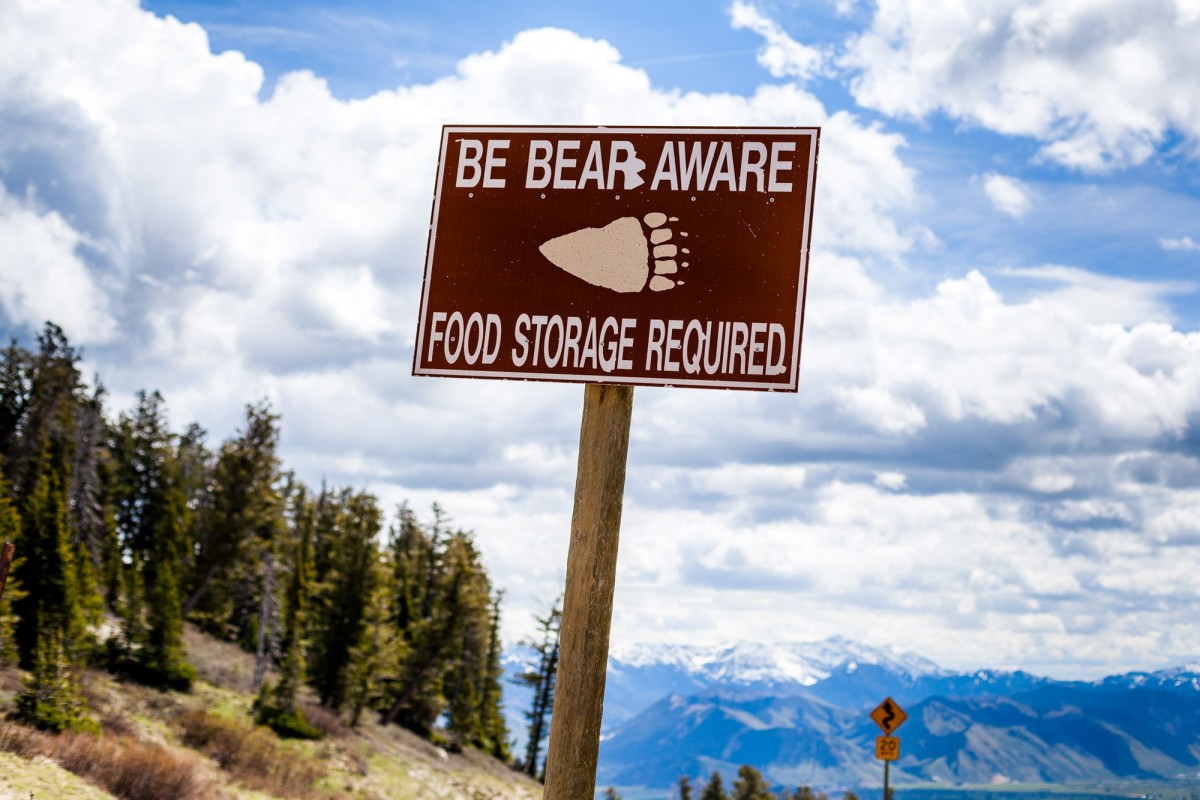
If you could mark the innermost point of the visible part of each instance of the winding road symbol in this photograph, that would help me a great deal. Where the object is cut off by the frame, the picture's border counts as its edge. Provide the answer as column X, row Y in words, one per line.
column 888, row 715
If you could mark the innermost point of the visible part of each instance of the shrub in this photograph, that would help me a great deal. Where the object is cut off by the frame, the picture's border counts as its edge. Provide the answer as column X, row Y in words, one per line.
column 130, row 769
column 125, row 768
column 250, row 754
column 288, row 721
column 289, row 724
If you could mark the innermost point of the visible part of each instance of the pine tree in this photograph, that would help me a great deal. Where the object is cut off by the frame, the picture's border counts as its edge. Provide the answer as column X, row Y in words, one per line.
column 378, row 654
column 685, row 787
column 47, row 568
column 163, row 656
column 469, row 678
column 351, row 577
column 131, row 611
column 295, row 620
column 195, row 465
column 243, row 516
column 714, row 789
column 151, row 515
column 10, row 528
column 444, row 596
column 750, row 785
column 407, row 545
column 427, row 594
column 493, row 737
column 541, row 678
column 52, row 700
column 276, row 706
column 40, row 400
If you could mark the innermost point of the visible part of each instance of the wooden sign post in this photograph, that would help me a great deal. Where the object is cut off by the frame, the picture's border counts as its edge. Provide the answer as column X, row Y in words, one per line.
column 614, row 257
column 587, row 605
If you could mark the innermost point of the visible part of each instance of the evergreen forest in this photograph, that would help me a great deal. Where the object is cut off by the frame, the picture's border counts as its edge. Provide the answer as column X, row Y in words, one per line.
column 126, row 526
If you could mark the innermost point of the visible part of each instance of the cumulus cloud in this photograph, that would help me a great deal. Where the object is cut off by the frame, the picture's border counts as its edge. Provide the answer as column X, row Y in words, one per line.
column 780, row 55
column 221, row 245
column 962, row 562
column 1007, row 194
column 964, row 353
column 42, row 274
column 1100, row 83
column 1184, row 243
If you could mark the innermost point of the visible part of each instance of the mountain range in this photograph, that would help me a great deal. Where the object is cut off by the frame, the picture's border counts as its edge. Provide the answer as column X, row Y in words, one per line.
column 798, row 712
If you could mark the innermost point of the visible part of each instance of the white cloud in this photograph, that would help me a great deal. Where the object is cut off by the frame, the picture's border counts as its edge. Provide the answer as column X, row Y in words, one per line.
column 1185, row 243
column 43, row 277
column 780, row 55
column 1033, row 68
column 233, row 247
column 974, row 566
column 1095, row 298
column 894, row 481
column 1007, row 194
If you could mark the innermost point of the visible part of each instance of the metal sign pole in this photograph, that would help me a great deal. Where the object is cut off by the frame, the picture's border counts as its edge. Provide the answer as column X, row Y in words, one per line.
column 587, row 605
column 886, row 764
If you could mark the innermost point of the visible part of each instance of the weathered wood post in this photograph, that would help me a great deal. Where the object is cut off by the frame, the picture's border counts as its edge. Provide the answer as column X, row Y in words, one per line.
column 587, row 605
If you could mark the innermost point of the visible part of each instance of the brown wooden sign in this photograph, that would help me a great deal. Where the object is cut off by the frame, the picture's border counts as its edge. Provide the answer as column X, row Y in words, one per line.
column 660, row 256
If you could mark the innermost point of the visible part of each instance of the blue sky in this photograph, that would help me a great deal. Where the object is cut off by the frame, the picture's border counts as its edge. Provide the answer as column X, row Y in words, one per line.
column 994, row 456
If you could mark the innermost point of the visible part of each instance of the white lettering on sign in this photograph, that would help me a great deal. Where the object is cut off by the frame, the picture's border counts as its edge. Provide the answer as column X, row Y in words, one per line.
column 614, row 165
column 707, row 167
column 470, row 153
column 691, row 347
column 599, row 169
column 572, row 343
column 475, row 339
column 731, row 347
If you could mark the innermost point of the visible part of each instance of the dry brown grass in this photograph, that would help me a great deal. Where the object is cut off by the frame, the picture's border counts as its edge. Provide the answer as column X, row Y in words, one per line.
column 250, row 754
column 126, row 768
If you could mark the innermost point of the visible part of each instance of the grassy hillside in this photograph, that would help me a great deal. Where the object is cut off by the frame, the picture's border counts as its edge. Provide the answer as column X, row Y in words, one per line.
column 201, row 746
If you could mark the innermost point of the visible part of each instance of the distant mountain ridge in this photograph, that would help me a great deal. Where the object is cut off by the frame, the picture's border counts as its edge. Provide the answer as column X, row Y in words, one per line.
column 797, row 711
column 642, row 674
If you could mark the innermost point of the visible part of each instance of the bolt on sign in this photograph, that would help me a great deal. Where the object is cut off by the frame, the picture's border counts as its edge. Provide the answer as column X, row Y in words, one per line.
column 660, row 256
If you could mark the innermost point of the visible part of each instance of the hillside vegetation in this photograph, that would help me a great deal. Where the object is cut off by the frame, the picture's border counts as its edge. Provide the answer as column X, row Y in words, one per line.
column 201, row 745
column 346, row 646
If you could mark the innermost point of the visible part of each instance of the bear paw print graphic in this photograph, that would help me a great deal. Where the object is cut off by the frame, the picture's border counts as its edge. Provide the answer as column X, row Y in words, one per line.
column 620, row 255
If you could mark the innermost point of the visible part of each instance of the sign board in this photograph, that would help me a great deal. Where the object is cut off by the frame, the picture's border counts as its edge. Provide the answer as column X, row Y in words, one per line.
column 652, row 256
column 888, row 715
column 887, row 748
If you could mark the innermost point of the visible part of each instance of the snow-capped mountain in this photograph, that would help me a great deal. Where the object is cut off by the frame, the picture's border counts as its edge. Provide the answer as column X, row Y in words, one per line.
column 754, row 663
column 1178, row 679
column 640, row 675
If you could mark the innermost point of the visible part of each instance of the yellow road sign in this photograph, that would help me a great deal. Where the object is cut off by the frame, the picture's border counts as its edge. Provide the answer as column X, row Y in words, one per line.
column 887, row 748
column 888, row 715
